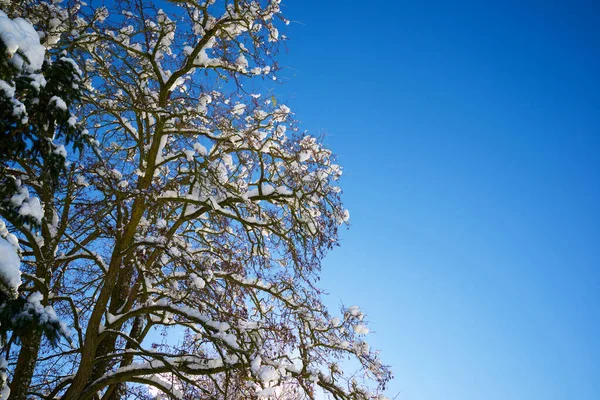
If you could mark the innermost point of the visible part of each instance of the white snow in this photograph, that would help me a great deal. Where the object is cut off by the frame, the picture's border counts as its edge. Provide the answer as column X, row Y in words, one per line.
column 164, row 384
column 266, row 190
column 238, row 109
column 267, row 374
column 197, row 281
column 8, row 89
column 33, row 208
column 80, row 181
column 228, row 338
column 12, row 240
column 303, row 156
column 58, row 102
column 360, row 329
column 346, row 215
column 361, row 347
column 242, row 62
column 18, row 34
column 44, row 314
column 116, row 173
column 161, row 146
column 28, row 206
column 200, row 149
column 9, row 265
column 73, row 64
column 18, row 107
column 355, row 312
column 4, row 389
column 60, row 150
column 189, row 154
column 268, row 392
column 255, row 364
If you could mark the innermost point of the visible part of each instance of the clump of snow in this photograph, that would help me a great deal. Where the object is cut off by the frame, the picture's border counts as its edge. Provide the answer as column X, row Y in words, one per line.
column 265, row 393
column 346, row 215
column 46, row 315
column 28, row 206
column 7, row 89
column 73, row 64
column 189, row 154
column 238, row 109
column 32, row 208
column 355, row 312
column 197, row 281
column 255, row 364
column 18, row 34
column 162, row 382
column 361, row 347
column 360, row 329
column 200, row 149
column 267, row 374
column 4, row 389
column 116, row 173
column 80, row 181
column 9, row 266
column 58, row 102
column 18, row 107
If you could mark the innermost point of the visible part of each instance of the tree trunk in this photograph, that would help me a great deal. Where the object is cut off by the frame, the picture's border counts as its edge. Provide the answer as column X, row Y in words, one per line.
column 90, row 349
column 117, row 391
column 30, row 346
column 118, row 298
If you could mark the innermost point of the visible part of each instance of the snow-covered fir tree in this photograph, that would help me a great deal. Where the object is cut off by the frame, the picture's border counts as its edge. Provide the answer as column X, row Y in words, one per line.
column 36, row 94
column 181, row 246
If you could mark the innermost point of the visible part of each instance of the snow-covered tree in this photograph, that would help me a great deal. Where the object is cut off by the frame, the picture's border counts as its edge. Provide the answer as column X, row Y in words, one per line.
column 36, row 92
column 199, row 212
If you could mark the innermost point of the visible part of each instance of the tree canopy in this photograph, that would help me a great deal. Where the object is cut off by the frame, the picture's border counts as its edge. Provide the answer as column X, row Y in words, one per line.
column 170, row 223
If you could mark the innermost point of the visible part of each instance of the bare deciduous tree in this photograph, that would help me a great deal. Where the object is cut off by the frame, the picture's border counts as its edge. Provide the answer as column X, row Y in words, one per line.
column 198, row 212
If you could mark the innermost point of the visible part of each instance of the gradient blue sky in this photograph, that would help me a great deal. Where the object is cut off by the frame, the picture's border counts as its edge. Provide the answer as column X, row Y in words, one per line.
column 470, row 137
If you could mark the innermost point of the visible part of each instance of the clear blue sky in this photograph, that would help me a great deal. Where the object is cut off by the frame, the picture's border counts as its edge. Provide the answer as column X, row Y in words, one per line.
column 470, row 137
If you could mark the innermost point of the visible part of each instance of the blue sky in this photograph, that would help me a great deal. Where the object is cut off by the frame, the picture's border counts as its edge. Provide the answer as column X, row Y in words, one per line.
column 470, row 137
